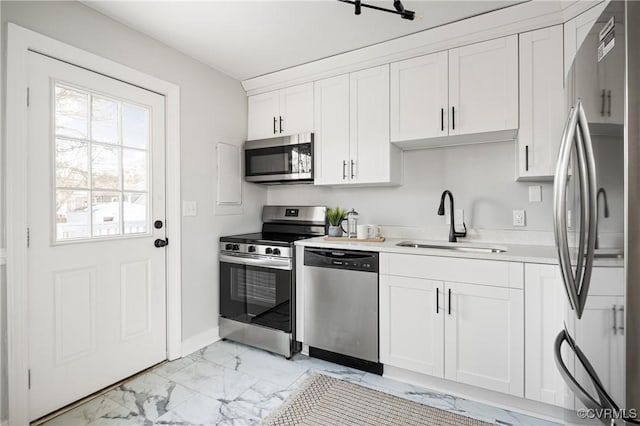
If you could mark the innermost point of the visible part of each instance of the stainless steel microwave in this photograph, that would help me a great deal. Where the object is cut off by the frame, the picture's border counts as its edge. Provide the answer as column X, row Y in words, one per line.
column 287, row 159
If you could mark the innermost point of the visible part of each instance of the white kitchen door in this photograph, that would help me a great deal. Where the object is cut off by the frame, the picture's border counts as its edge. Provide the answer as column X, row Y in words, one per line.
column 96, row 171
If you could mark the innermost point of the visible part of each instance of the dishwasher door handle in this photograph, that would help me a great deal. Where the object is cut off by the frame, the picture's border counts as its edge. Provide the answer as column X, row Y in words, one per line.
column 334, row 254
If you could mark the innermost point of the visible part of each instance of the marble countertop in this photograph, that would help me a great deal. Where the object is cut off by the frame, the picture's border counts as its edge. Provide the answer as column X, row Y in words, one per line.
column 513, row 252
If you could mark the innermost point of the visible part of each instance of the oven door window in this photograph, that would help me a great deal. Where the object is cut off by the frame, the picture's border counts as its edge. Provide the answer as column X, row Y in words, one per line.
column 256, row 295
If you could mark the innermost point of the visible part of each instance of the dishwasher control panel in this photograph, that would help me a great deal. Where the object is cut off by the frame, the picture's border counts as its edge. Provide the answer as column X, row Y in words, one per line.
column 353, row 260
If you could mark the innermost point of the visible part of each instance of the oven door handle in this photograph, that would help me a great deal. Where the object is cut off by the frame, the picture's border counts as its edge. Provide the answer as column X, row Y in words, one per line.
column 258, row 261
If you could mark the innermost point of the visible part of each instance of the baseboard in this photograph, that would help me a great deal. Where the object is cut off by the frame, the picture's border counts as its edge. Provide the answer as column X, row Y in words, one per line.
column 199, row 341
column 497, row 399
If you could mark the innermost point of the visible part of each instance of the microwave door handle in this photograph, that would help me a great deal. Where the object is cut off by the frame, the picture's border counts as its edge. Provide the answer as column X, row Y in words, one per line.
column 560, row 208
column 589, row 205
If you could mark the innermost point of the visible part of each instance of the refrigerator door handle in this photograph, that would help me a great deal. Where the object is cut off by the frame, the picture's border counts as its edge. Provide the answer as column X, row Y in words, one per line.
column 589, row 206
column 576, row 133
column 560, row 210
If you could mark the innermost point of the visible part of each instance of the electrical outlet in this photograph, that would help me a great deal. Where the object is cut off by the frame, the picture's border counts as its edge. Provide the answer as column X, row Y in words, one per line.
column 458, row 217
column 518, row 218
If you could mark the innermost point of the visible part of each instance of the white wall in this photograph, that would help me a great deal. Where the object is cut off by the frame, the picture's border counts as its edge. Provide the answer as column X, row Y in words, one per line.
column 481, row 178
column 213, row 109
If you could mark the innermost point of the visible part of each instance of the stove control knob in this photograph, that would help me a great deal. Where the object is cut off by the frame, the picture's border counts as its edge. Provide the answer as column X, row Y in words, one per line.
column 268, row 250
column 276, row 252
column 252, row 249
column 235, row 247
column 228, row 246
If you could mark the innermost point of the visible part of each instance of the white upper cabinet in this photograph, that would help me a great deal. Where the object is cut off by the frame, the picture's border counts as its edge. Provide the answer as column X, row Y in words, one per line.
column 352, row 130
column 296, row 109
column 331, row 124
column 263, row 115
column 419, row 97
column 372, row 155
column 464, row 95
column 483, row 86
column 280, row 112
column 542, row 102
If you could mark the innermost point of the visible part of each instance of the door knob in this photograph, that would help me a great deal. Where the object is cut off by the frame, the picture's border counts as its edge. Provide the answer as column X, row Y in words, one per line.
column 160, row 242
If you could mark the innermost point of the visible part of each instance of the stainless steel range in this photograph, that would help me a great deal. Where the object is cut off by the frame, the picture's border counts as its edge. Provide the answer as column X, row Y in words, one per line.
column 257, row 278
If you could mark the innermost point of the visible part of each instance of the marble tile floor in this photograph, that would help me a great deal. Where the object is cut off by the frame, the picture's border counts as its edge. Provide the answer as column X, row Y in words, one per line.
column 232, row 384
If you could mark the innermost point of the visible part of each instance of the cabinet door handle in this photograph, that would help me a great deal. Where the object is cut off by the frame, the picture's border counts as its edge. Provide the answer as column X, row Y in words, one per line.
column 615, row 320
column 602, row 104
column 526, row 158
column 442, row 119
column 344, row 169
column 437, row 300
column 621, row 326
column 449, row 302
column 274, row 125
column 609, row 99
column 453, row 117
column 353, row 174
column 281, row 129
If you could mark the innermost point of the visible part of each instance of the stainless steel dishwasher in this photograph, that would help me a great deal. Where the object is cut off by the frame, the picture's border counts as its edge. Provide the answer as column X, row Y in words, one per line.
column 341, row 307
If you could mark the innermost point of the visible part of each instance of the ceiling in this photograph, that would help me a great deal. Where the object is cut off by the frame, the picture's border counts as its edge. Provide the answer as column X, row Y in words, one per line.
column 245, row 39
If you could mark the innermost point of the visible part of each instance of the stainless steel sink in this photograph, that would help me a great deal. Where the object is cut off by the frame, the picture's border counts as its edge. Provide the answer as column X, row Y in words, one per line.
column 462, row 248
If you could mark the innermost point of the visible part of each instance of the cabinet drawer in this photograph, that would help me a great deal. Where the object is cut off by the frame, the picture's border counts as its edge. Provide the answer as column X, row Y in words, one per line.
column 474, row 271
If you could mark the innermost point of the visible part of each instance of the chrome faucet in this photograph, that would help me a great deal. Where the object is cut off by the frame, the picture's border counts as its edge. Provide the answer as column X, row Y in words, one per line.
column 453, row 235
column 602, row 192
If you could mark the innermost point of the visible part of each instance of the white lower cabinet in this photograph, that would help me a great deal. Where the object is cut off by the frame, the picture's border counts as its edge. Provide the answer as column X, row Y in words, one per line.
column 599, row 333
column 412, row 324
column 600, row 336
column 470, row 332
column 548, row 311
column 484, row 337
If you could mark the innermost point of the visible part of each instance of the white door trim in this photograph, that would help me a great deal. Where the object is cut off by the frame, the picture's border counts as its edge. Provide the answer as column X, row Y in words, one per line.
column 20, row 41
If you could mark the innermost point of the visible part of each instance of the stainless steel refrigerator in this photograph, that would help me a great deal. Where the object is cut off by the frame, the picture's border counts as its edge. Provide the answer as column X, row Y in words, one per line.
column 597, row 204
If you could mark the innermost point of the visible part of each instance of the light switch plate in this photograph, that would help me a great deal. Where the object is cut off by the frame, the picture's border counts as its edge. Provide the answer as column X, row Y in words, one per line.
column 189, row 208
column 535, row 194
column 518, row 218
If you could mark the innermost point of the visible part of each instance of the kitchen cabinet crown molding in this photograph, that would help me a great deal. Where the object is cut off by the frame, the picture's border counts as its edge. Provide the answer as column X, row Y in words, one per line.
column 515, row 19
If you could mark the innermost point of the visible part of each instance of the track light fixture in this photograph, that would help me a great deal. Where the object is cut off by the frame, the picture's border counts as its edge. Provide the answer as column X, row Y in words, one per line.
column 397, row 4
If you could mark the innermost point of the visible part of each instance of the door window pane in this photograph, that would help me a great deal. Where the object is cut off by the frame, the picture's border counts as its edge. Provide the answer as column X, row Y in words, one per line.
column 71, row 112
column 135, row 126
column 102, row 189
column 104, row 121
column 105, row 166
column 72, row 164
column 72, row 215
column 106, row 213
column 135, row 213
column 134, row 165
